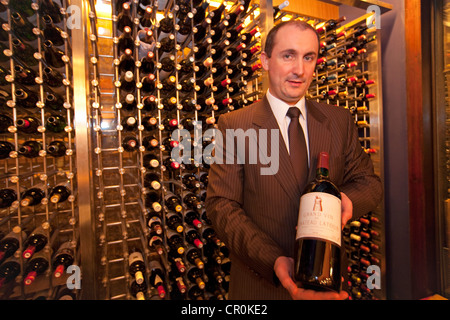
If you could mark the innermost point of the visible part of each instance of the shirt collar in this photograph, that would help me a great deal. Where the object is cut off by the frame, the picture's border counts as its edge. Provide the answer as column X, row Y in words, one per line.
column 280, row 108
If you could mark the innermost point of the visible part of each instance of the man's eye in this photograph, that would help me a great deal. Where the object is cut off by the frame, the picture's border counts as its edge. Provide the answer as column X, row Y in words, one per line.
column 288, row 56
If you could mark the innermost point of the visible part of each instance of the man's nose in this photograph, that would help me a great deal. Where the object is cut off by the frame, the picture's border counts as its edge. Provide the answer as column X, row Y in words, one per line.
column 298, row 68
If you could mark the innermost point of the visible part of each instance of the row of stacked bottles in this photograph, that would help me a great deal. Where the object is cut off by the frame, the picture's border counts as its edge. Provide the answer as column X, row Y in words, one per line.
column 343, row 78
column 38, row 205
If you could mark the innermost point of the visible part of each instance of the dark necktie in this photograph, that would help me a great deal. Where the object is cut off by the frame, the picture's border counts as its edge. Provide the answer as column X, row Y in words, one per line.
column 297, row 147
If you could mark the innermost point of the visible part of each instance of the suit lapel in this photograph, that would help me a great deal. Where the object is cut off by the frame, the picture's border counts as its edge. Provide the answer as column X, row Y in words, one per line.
column 319, row 135
column 263, row 118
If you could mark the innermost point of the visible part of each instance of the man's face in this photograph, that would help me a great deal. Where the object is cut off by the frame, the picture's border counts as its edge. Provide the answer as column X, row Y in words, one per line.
column 292, row 64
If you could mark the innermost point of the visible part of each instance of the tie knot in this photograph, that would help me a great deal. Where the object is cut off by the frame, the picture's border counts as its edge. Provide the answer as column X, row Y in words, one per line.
column 293, row 112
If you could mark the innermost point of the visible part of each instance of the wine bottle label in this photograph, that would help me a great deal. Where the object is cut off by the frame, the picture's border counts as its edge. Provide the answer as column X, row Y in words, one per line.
column 320, row 217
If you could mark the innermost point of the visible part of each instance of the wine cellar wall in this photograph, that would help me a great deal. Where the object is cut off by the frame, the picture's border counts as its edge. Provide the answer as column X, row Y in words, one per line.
column 151, row 67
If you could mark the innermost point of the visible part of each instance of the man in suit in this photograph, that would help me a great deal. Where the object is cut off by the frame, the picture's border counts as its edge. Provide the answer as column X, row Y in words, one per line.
column 256, row 214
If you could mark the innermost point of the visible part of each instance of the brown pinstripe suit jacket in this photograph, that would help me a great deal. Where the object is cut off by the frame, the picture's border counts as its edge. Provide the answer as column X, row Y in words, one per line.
column 256, row 215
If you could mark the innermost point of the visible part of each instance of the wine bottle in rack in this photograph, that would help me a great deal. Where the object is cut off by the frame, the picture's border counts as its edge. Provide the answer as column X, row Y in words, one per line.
column 157, row 276
column 311, row 241
column 175, row 241
column 60, row 193
column 124, row 18
column 5, row 149
column 24, row 75
column 195, row 275
column 63, row 258
column 5, row 123
column 30, row 149
column 32, row 196
column 52, row 9
column 193, row 237
column 126, row 61
column 136, row 266
column 152, row 180
column 148, row 63
column 26, row 98
column 150, row 143
column 130, row 144
column 7, row 197
column 174, row 221
column 9, row 270
column 52, row 78
column 192, row 218
column 24, row 7
column 154, row 223
column 126, row 40
column 151, row 161
column 10, row 243
column 146, row 20
column 138, row 290
column 156, row 242
column 153, row 200
column 56, row 149
column 37, row 265
column 55, row 124
column 22, row 28
column 24, row 52
column 35, row 242
column 52, row 32
column 52, row 55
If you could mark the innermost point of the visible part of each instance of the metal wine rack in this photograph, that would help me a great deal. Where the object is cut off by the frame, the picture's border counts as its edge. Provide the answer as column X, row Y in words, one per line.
column 106, row 217
column 20, row 172
column 349, row 76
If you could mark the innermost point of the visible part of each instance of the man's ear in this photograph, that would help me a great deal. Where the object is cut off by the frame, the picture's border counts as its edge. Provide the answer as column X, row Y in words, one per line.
column 264, row 60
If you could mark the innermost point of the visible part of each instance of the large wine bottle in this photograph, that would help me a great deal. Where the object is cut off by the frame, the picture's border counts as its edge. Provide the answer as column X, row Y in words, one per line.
column 318, row 239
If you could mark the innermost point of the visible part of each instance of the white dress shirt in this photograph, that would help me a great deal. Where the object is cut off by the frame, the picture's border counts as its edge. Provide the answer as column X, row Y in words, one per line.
column 279, row 109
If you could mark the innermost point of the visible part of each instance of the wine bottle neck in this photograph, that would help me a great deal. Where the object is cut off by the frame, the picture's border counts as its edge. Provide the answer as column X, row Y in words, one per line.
column 322, row 173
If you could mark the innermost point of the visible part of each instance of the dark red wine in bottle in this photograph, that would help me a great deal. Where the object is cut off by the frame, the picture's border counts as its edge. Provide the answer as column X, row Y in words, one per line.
column 318, row 240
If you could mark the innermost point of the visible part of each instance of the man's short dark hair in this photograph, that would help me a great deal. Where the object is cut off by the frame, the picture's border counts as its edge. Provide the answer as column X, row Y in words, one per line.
column 270, row 39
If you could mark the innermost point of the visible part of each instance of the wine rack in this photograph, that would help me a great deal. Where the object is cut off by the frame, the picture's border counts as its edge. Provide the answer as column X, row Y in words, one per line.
column 348, row 76
column 148, row 204
column 133, row 72
column 38, row 215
